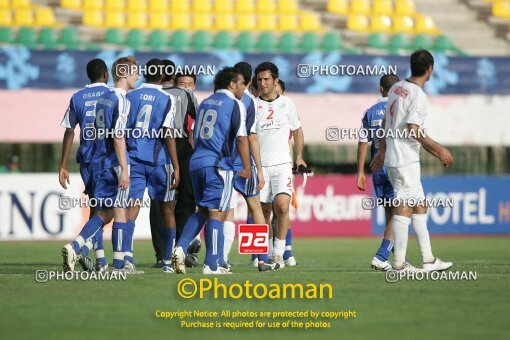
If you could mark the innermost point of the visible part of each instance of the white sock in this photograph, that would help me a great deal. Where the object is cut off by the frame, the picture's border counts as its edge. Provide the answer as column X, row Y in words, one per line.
column 400, row 235
column 229, row 233
column 422, row 235
column 270, row 252
column 80, row 240
column 279, row 247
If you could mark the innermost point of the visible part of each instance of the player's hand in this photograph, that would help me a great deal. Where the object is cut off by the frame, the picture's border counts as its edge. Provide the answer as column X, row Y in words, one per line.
column 445, row 157
column 361, row 182
column 300, row 161
column 176, row 179
column 260, row 179
column 377, row 163
column 63, row 177
column 245, row 173
column 124, row 179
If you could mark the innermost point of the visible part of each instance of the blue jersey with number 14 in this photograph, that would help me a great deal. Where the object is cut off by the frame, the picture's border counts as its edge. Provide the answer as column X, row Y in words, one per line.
column 221, row 119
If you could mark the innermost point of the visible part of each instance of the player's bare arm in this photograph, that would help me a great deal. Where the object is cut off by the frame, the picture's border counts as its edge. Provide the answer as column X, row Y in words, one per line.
column 432, row 147
column 244, row 151
column 362, row 154
column 253, row 141
column 119, row 143
column 172, row 151
column 299, row 142
column 67, row 143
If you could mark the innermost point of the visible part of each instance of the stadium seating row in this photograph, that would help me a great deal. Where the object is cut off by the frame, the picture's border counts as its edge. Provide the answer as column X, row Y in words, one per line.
column 398, row 43
column 32, row 16
column 398, row 24
column 47, row 37
column 372, row 7
column 501, row 8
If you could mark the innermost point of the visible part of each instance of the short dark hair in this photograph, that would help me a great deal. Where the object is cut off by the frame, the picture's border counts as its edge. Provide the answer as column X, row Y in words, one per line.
column 245, row 69
column 282, row 85
column 224, row 77
column 185, row 74
column 154, row 71
column 421, row 60
column 387, row 81
column 169, row 69
column 96, row 68
column 267, row 66
column 254, row 83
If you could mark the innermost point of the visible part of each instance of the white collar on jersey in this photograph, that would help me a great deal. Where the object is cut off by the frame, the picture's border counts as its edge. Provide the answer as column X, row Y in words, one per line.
column 119, row 90
column 383, row 100
column 96, row 85
column 227, row 92
column 154, row 86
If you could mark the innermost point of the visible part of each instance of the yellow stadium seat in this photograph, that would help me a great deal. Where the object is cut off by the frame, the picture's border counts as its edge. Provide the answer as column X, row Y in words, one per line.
column 266, row 6
column 45, row 17
column 224, row 6
column 23, row 17
column 358, row 22
column 338, row 6
column 71, row 4
column 382, row 7
column 5, row 17
column 224, row 22
column 180, row 21
column 288, row 6
column 21, row 4
column 501, row 9
column 246, row 22
column 93, row 5
column 137, row 6
column 114, row 19
column 245, row 6
column 201, row 21
column 405, row 7
column 137, row 20
column 288, row 22
column 380, row 23
column 403, row 24
column 158, row 21
column 201, row 6
column 179, row 6
column 93, row 18
column 158, row 6
column 360, row 7
column 266, row 22
column 5, row 4
column 309, row 21
column 425, row 25
column 114, row 5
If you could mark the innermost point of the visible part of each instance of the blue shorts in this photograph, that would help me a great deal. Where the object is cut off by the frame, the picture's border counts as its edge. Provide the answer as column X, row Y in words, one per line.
column 88, row 178
column 384, row 190
column 212, row 187
column 107, row 190
column 247, row 186
column 157, row 178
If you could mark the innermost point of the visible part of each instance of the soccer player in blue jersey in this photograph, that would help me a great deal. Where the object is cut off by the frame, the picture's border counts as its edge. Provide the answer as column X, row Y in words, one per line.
column 153, row 154
column 82, row 111
column 110, row 163
column 371, row 122
column 249, row 188
column 220, row 123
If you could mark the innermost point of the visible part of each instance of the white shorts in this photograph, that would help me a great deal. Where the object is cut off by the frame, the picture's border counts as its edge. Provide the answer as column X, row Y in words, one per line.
column 406, row 181
column 278, row 180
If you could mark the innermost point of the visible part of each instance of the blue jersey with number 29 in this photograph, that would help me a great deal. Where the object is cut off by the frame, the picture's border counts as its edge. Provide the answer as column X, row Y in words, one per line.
column 220, row 120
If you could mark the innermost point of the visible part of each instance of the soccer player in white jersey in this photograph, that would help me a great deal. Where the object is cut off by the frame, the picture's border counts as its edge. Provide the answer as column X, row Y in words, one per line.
column 276, row 116
column 406, row 111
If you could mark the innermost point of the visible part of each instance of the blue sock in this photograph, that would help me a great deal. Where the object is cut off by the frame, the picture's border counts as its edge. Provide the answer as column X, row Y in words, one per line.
column 169, row 245
column 118, row 229
column 100, row 248
column 288, row 245
column 127, row 242
column 264, row 258
column 249, row 220
column 191, row 229
column 384, row 250
column 221, row 247
column 89, row 229
column 213, row 229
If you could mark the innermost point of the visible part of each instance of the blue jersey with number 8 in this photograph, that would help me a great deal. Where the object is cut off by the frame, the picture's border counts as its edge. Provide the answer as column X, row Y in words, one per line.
column 220, row 120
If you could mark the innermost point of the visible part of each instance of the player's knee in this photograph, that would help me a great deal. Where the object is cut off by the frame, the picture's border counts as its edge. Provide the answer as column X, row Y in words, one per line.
column 282, row 208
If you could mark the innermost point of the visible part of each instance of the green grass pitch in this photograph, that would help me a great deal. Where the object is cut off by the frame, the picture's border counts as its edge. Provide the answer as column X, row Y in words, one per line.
column 126, row 309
